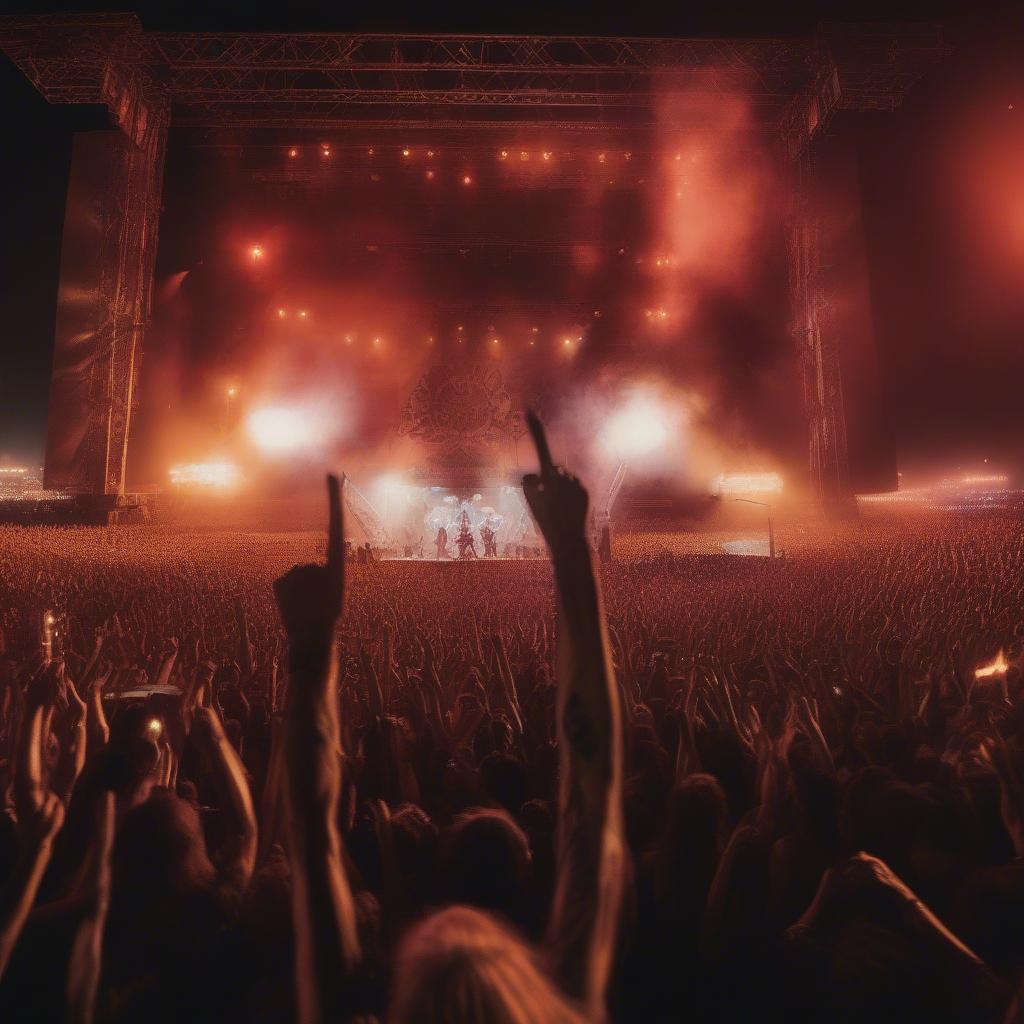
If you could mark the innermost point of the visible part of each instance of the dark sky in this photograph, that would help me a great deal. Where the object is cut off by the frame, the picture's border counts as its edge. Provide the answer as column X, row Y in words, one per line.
column 950, row 324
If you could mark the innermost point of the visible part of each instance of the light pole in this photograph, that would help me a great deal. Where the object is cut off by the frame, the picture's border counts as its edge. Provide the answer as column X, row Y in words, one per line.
column 771, row 527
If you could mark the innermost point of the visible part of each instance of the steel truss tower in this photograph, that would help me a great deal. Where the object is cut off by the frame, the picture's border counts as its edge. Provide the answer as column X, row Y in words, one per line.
column 469, row 84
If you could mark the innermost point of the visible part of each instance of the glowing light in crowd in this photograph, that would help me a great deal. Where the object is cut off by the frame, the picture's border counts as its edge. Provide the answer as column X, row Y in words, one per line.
column 281, row 430
column 221, row 475
column 282, row 313
column 293, row 152
column 467, row 180
column 256, row 252
column 325, row 150
column 636, row 429
column 232, row 391
column 985, row 478
column 503, row 154
column 303, row 314
column 546, row 155
column 996, row 667
column 747, row 483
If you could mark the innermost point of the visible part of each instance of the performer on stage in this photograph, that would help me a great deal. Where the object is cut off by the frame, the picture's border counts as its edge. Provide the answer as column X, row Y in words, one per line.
column 490, row 542
column 442, row 543
column 467, row 546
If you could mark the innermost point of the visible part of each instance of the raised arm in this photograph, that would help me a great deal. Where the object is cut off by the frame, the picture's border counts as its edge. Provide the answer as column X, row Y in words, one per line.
column 309, row 598
column 40, row 816
column 233, row 790
column 591, row 846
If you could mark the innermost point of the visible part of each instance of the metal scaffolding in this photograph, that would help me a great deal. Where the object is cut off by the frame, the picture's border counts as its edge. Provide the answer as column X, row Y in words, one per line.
column 466, row 83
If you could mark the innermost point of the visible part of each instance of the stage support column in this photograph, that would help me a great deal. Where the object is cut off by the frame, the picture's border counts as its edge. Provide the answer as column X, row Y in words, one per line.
column 816, row 335
column 145, row 123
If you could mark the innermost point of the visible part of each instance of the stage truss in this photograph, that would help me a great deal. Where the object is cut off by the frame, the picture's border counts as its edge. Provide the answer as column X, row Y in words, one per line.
column 468, row 85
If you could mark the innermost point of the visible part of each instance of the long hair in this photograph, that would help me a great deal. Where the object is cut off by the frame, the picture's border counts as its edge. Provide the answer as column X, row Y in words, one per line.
column 461, row 965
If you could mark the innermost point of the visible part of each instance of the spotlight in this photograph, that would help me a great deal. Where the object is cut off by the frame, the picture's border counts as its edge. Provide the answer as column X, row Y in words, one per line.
column 429, row 175
column 638, row 428
column 600, row 158
column 430, row 153
column 205, row 474
column 256, row 252
column 467, row 180
column 232, row 391
column 280, row 430
column 370, row 151
column 503, row 154
column 376, row 342
column 523, row 155
column 325, row 150
column 546, row 155
column 303, row 314
column 405, row 152
column 281, row 314
column 293, row 152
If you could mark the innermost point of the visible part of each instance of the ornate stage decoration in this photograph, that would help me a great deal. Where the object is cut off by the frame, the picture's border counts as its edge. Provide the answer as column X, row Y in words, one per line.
column 461, row 413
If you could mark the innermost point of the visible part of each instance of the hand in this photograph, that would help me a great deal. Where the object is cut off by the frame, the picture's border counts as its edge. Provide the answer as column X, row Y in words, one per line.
column 44, row 822
column 309, row 597
column 557, row 499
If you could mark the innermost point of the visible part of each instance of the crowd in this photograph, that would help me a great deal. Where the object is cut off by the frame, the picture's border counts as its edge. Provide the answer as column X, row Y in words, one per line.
column 696, row 788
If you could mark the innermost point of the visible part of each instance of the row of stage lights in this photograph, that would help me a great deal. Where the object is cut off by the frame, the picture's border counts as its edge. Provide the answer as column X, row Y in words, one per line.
column 544, row 156
column 653, row 316
column 563, row 339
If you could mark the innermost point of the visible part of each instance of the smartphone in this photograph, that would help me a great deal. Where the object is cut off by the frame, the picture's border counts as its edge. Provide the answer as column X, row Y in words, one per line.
column 53, row 636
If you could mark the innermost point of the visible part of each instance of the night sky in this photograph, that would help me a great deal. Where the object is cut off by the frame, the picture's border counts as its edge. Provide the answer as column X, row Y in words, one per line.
column 942, row 185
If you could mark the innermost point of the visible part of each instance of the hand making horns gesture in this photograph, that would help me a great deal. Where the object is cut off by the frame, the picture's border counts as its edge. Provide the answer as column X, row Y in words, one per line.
column 310, row 596
column 556, row 498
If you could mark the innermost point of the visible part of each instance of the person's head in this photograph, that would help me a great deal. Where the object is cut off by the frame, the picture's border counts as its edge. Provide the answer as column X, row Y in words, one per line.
column 160, row 847
column 461, row 965
column 486, row 861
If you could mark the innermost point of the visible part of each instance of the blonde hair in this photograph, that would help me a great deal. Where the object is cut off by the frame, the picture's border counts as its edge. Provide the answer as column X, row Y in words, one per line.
column 460, row 964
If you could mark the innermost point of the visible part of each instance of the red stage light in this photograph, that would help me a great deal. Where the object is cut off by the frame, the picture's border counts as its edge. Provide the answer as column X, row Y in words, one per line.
column 503, row 154
column 293, row 152
column 467, row 180
column 256, row 252
column 546, row 155
column 405, row 152
column 429, row 175
column 303, row 314
column 282, row 313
